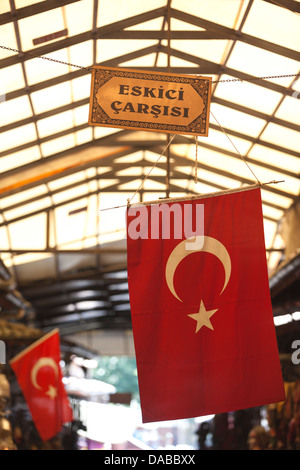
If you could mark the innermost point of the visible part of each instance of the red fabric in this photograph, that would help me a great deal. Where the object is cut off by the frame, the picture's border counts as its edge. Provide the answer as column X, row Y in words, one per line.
column 39, row 375
column 183, row 373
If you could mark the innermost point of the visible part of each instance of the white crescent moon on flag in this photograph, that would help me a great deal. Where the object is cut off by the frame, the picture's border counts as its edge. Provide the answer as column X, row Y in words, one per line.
column 42, row 362
column 203, row 243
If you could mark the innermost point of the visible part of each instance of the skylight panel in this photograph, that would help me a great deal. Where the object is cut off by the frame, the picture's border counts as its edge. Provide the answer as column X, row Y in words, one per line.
column 40, row 25
column 276, row 199
column 257, row 24
column 18, row 159
column 151, row 25
column 28, row 208
column 119, row 10
column 111, row 48
column 4, row 6
column 8, row 39
column 60, row 183
column 70, row 227
column 247, row 94
column 11, row 78
column 212, row 50
column 219, row 139
column 83, row 136
column 271, row 212
column 275, row 158
column 79, row 16
column 58, row 145
column 81, row 87
column 23, row 196
column 71, row 193
column 223, row 12
column 51, row 97
column 289, row 110
column 54, row 124
column 17, row 137
column 29, row 233
column 14, row 110
column 81, row 54
column 282, row 136
column 236, row 120
column 146, row 60
column 81, row 115
column 259, row 62
column 39, row 70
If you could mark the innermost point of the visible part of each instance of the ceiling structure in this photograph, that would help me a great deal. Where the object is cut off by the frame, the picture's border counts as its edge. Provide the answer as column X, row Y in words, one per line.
column 64, row 184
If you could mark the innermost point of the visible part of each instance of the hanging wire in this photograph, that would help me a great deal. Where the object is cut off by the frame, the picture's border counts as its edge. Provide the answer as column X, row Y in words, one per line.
column 236, row 148
column 142, row 183
column 248, row 79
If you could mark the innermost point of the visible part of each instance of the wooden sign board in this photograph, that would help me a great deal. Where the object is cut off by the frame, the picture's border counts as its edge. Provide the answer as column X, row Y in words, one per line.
column 158, row 102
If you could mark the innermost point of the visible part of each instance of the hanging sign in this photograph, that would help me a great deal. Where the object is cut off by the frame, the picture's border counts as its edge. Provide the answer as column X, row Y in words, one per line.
column 158, row 102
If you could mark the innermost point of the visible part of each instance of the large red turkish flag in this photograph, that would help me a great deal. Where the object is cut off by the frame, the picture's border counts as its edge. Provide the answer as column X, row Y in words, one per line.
column 39, row 375
column 201, row 311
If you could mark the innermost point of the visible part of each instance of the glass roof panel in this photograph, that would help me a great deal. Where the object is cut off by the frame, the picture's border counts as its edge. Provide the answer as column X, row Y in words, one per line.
column 218, row 11
column 71, row 193
column 39, row 70
column 23, row 196
column 247, row 94
column 28, row 233
column 111, row 48
column 11, row 78
column 81, row 54
column 289, row 110
column 51, row 97
column 38, row 26
column 28, row 208
column 145, row 60
column 14, row 110
column 7, row 38
column 60, row 183
column 53, row 124
column 212, row 50
column 150, row 25
column 79, row 16
column 236, row 120
column 275, row 158
column 81, row 87
column 219, row 139
column 83, row 136
column 4, row 6
column 81, row 114
column 70, row 227
column 58, row 145
column 18, row 136
column 281, row 135
column 256, row 24
column 20, row 158
column 119, row 10
column 259, row 63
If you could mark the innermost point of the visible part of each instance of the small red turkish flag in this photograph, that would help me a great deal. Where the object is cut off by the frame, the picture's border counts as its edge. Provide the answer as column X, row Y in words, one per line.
column 39, row 375
column 201, row 310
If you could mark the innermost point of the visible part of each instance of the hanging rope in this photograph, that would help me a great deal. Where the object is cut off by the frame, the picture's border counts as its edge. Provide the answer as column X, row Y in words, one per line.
column 236, row 148
column 142, row 183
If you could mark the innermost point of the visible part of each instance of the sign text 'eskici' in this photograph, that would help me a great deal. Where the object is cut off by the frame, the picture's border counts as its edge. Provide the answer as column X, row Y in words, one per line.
column 158, row 102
